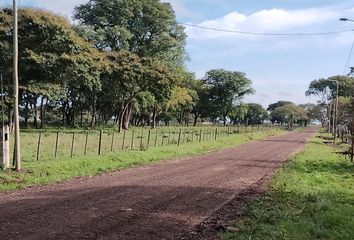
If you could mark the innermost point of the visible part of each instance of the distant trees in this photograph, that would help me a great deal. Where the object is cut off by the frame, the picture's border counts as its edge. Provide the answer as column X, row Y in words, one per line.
column 325, row 89
column 225, row 89
column 123, row 63
column 249, row 114
column 275, row 117
column 290, row 113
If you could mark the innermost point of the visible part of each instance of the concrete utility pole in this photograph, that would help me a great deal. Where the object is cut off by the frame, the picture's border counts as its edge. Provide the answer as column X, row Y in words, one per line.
column 335, row 115
column 352, row 130
column 17, row 153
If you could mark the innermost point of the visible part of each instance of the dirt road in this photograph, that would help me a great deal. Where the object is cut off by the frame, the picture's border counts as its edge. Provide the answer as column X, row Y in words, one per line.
column 160, row 201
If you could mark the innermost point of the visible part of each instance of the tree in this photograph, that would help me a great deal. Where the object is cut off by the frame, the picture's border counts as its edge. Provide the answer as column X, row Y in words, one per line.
column 275, row 117
column 147, row 28
column 326, row 90
column 256, row 114
column 55, row 62
column 291, row 113
column 226, row 88
column 315, row 112
column 127, row 76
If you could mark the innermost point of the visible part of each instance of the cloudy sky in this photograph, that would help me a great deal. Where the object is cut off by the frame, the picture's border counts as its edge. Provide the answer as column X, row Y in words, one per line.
column 280, row 67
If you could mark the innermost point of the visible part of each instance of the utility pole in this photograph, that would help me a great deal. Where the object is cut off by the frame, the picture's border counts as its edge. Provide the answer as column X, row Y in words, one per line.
column 17, row 153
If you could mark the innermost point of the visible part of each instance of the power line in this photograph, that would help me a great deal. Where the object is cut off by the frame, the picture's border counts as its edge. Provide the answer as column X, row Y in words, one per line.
column 349, row 58
column 265, row 34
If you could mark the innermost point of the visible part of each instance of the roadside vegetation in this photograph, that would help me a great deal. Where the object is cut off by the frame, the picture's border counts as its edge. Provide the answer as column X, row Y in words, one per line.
column 50, row 170
column 312, row 197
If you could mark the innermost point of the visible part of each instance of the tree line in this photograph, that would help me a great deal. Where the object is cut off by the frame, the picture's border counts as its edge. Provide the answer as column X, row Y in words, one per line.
column 122, row 63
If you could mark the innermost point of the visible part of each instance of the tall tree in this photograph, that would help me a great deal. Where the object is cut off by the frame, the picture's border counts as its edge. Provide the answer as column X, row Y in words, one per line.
column 147, row 28
column 227, row 87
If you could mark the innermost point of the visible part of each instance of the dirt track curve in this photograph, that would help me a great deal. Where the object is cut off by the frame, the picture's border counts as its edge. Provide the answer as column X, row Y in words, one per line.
column 160, row 201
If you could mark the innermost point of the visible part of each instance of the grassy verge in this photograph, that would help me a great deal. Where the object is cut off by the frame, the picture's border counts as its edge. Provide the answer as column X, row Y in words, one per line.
column 51, row 170
column 312, row 197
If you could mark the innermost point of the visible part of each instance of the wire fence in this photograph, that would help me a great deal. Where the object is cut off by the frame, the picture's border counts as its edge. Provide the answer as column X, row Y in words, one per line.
column 47, row 145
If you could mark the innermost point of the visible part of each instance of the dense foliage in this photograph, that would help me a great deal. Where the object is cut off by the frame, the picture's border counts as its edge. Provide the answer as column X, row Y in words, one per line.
column 122, row 64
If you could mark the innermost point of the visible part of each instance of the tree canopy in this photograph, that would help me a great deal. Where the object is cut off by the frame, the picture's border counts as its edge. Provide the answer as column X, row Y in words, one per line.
column 147, row 28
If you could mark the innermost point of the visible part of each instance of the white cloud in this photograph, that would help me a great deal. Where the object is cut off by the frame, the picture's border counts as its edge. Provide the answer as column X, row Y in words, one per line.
column 265, row 21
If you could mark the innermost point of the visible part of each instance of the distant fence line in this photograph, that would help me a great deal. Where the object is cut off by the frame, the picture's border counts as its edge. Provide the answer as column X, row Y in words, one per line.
column 58, row 144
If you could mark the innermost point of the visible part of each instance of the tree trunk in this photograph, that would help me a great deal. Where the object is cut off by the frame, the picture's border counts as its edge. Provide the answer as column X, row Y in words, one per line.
column 27, row 110
column 93, row 112
column 41, row 112
column 195, row 121
column 63, row 116
column 153, row 124
column 126, row 117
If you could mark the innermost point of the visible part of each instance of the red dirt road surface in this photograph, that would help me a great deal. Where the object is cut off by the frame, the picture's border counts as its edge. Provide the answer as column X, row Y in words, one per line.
column 167, row 200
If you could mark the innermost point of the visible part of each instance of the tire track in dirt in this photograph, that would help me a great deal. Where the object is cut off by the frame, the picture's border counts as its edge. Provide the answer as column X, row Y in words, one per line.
column 166, row 200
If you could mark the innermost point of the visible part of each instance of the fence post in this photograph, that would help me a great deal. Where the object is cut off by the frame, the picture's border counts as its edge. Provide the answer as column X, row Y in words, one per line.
column 112, row 142
column 141, row 139
column 200, row 135
column 228, row 131
column 86, row 139
column 123, row 140
column 39, row 145
column 56, row 145
column 148, row 140
column 132, row 141
column 193, row 135
column 179, row 137
column 72, row 145
column 216, row 133
column 163, row 138
column 100, row 143
column 169, row 135
column 156, row 135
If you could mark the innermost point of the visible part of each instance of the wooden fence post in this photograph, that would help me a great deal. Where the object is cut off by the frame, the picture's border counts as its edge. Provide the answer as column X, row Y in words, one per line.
column 200, row 135
column 156, row 135
column 179, row 137
column 112, row 141
column 100, row 143
column 163, row 138
column 141, row 139
column 56, row 145
column 39, row 145
column 123, row 140
column 132, row 141
column 216, row 133
column 169, row 135
column 72, row 145
column 86, row 139
column 148, row 140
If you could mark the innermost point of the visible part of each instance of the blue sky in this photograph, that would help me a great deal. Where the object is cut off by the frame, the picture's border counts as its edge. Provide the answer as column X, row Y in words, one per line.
column 280, row 67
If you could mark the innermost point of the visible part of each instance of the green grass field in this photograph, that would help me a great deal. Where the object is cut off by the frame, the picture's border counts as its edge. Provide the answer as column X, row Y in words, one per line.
column 312, row 197
column 49, row 169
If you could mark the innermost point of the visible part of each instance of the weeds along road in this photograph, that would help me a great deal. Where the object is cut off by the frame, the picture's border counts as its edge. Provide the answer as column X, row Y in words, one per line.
column 159, row 201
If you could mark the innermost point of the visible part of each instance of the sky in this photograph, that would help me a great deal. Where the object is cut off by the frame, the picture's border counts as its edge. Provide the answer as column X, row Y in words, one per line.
column 280, row 67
